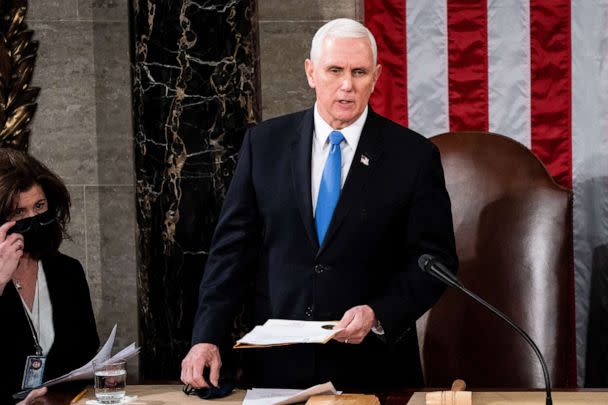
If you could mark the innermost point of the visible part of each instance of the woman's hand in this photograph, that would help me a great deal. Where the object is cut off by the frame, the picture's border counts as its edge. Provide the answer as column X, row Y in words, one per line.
column 11, row 250
column 33, row 396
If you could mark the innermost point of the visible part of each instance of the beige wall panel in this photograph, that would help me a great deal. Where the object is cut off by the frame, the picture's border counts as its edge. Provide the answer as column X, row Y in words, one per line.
column 286, row 29
column 83, row 131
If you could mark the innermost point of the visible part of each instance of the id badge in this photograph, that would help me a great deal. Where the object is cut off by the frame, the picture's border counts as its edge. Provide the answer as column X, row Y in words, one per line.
column 33, row 375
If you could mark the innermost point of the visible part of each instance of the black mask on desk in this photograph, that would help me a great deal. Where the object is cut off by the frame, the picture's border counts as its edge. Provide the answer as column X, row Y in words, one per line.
column 224, row 388
column 210, row 393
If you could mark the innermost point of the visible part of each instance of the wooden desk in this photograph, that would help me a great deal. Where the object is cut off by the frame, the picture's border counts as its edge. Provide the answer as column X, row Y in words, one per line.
column 168, row 395
column 528, row 398
column 173, row 395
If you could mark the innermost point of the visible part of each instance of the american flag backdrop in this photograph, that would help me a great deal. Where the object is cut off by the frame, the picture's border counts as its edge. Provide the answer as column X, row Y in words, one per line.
column 533, row 70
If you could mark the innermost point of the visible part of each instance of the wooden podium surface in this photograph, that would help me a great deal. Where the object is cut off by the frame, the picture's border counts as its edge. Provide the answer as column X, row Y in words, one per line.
column 168, row 395
column 528, row 398
column 173, row 395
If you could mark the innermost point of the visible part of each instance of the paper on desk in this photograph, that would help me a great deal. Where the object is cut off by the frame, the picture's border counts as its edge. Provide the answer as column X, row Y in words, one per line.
column 277, row 332
column 103, row 356
column 125, row 400
column 277, row 396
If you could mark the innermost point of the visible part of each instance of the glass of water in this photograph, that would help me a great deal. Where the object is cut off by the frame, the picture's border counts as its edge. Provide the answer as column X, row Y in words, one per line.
column 110, row 382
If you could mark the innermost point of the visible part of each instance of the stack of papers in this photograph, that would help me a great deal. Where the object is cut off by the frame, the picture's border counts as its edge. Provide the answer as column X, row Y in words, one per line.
column 276, row 396
column 278, row 332
column 103, row 356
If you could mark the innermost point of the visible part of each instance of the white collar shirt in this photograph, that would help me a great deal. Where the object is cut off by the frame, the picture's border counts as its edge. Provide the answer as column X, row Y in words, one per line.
column 320, row 150
column 41, row 314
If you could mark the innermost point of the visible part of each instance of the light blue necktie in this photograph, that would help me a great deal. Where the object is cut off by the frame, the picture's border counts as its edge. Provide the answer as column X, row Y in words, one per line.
column 329, row 189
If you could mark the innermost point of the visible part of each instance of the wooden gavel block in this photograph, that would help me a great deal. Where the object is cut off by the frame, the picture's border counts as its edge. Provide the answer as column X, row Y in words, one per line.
column 456, row 396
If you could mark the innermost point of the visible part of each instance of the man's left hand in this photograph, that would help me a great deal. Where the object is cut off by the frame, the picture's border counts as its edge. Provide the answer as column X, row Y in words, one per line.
column 356, row 324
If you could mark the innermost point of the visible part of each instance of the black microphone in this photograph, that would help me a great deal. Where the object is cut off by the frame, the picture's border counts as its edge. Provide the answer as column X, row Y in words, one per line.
column 431, row 265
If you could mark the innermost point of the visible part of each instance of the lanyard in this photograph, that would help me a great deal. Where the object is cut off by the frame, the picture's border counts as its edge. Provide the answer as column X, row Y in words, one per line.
column 37, row 346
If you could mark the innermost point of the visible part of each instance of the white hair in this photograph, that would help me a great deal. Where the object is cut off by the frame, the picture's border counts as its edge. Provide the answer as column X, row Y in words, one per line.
column 341, row 28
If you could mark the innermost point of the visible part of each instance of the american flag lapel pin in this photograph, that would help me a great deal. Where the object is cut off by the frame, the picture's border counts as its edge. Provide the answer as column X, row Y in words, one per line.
column 365, row 160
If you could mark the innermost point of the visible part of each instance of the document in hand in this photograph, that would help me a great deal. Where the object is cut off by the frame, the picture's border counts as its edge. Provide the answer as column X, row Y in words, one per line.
column 103, row 356
column 277, row 396
column 86, row 372
column 278, row 332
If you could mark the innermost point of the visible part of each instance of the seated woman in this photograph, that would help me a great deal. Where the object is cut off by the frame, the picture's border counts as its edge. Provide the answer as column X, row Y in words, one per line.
column 46, row 316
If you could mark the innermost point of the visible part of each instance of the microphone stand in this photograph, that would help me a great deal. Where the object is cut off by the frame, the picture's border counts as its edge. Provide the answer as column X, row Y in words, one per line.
column 430, row 265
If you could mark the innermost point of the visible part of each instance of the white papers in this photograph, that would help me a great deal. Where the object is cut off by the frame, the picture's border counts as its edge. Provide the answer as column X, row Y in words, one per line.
column 103, row 356
column 277, row 396
column 277, row 332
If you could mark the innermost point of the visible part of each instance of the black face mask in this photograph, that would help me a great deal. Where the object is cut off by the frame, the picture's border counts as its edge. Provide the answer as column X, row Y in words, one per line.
column 38, row 232
column 225, row 387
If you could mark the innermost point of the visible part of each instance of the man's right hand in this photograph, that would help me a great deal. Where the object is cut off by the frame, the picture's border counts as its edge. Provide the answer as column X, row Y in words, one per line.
column 201, row 355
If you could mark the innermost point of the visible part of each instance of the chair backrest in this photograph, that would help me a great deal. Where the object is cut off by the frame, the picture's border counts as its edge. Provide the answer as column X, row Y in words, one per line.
column 513, row 235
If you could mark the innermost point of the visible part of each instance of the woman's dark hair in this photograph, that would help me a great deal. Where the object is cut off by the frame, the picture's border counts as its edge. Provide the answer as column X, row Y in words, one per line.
column 19, row 172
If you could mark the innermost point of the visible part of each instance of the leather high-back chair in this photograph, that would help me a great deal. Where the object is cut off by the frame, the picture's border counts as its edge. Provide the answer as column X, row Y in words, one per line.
column 512, row 224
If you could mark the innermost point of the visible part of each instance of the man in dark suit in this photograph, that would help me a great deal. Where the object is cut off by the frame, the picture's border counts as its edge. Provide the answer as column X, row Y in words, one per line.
column 328, row 212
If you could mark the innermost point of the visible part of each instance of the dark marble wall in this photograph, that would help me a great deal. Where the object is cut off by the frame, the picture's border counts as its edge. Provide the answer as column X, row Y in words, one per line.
column 195, row 91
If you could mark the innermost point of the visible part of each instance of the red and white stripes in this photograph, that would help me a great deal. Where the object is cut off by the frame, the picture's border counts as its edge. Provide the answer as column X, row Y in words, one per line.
column 534, row 70
column 551, row 91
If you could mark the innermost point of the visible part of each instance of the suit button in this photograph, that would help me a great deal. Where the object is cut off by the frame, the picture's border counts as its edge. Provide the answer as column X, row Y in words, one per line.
column 309, row 312
column 319, row 268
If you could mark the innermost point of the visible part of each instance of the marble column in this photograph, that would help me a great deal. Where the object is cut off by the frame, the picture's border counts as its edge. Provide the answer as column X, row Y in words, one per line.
column 195, row 91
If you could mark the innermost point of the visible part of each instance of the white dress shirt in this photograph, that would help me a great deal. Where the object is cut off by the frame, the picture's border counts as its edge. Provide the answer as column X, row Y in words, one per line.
column 42, row 312
column 321, row 147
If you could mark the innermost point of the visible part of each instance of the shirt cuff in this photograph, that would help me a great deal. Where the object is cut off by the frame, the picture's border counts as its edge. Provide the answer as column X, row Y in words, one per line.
column 377, row 328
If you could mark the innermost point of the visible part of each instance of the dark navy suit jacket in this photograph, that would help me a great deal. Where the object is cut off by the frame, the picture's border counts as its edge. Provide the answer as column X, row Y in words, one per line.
column 393, row 207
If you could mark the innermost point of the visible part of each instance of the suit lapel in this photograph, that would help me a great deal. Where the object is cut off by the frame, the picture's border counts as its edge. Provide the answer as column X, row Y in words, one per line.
column 300, row 169
column 367, row 156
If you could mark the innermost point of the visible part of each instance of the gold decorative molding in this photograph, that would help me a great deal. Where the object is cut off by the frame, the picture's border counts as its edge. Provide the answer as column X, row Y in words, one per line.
column 17, row 58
